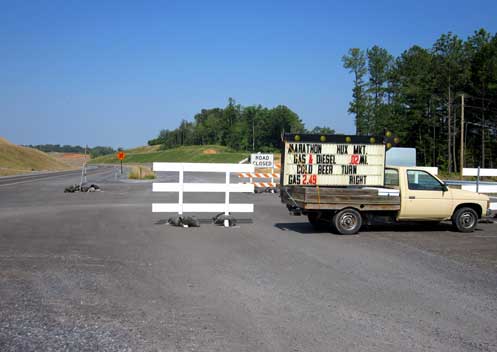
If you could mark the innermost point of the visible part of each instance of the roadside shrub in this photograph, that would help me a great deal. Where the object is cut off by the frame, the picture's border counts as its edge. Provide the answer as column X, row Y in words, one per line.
column 139, row 172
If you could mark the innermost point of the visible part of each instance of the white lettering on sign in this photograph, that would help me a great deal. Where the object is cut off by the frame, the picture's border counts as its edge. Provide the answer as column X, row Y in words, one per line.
column 326, row 164
column 262, row 160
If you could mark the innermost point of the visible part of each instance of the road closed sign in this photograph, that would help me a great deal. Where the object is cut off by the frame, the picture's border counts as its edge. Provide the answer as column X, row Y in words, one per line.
column 262, row 160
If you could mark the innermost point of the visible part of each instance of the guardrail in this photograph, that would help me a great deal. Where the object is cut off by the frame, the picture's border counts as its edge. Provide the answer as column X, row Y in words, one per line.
column 182, row 187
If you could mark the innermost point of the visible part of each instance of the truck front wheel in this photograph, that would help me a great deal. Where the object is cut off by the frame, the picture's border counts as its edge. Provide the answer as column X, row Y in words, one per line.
column 465, row 219
column 347, row 221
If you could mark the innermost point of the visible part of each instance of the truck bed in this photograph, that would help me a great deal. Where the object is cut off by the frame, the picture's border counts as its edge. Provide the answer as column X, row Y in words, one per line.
column 334, row 198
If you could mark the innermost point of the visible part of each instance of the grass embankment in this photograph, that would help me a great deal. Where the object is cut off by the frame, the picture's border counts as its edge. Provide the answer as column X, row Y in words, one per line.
column 73, row 160
column 15, row 159
column 144, row 149
column 192, row 154
column 139, row 172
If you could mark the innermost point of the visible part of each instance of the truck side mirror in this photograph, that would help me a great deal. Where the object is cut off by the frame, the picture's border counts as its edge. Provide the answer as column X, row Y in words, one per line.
column 444, row 187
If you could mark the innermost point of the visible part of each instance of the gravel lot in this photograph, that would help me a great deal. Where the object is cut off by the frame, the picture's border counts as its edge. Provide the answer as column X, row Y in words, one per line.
column 100, row 272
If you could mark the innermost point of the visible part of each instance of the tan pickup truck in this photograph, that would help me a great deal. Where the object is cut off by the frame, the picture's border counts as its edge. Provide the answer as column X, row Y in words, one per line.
column 409, row 194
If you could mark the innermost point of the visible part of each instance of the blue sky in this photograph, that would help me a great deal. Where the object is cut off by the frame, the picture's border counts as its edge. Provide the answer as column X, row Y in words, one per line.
column 116, row 72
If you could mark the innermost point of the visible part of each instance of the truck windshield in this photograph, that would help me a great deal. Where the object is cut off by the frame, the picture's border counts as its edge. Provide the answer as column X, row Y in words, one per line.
column 422, row 181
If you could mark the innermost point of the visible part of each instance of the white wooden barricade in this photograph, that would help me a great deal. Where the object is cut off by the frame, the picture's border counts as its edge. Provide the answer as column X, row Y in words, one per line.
column 492, row 189
column 182, row 187
column 483, row 172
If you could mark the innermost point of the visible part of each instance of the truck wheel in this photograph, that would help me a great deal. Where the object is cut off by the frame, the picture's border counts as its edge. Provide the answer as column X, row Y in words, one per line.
column 465, row 219
column 347, row 221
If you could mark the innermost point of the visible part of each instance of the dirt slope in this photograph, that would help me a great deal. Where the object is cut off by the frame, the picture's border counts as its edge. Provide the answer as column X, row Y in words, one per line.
column 15, row 159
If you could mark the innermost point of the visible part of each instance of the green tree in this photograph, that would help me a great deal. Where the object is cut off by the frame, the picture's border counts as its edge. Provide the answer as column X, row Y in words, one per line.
column 282, row 120
column 379, row 66
column 321, row 130
column 483, row 56
column 417, row 123
column 418, row 95
column 254, row 128
column 355, row 62
column 451, row 70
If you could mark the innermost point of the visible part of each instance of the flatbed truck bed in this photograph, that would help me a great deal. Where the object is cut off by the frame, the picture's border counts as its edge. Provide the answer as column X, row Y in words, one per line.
column 335, row 198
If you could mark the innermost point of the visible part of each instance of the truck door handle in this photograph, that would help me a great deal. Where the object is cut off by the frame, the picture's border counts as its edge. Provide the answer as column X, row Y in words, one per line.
column 412, row 197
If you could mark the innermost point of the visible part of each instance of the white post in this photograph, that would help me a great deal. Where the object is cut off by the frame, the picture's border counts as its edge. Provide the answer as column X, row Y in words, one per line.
column 478, row 179
column 227, row 199
column 181, row 188
column 83, row 175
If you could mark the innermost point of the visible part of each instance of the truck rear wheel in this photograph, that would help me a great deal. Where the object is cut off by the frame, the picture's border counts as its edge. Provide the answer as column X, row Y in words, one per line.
column 347, row 221
column 465, row 219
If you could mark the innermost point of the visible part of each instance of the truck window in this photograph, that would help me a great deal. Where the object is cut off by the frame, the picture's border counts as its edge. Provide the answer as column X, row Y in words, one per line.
column 422, row 181
column 391, row 178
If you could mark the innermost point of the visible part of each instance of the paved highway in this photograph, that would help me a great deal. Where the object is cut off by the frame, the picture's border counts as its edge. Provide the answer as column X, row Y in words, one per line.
column 100, row 272
column 27, row 178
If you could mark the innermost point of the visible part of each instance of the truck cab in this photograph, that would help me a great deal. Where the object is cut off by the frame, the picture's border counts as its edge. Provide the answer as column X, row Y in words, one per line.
column 424, row 197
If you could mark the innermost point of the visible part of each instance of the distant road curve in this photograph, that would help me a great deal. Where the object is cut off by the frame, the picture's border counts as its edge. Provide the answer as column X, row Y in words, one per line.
column 25, row 178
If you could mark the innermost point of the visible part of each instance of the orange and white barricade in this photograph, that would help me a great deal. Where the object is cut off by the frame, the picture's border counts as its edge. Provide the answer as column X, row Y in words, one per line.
column 264, row 179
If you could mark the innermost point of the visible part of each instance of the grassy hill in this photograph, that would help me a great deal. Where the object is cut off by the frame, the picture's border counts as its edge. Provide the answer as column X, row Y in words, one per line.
column 193, row 154
column 15, row 159
column 144, row 149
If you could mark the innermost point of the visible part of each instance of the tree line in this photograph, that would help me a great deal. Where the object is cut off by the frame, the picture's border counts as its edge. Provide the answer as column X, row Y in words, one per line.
column 249, row 128
column 94, row 152
column 419, row 96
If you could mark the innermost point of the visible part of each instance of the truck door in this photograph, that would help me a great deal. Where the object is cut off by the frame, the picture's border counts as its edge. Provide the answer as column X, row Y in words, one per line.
column 425, row 197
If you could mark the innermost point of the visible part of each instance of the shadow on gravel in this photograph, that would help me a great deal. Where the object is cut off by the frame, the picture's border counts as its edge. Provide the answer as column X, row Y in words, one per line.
column 300, row 227
column 206, row 221
column 307, row 229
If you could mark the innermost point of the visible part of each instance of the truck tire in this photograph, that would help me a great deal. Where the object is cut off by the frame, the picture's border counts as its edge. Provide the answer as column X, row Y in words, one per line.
column 465, row 219
column 347, row 221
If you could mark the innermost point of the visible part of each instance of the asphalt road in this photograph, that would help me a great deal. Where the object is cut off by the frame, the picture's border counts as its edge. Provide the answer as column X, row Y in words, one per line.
column 101, row 272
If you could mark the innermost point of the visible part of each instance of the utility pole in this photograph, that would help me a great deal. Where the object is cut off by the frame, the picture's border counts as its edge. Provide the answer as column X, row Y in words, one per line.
column 482, row 134
column 449, row 135
column 462, row 134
